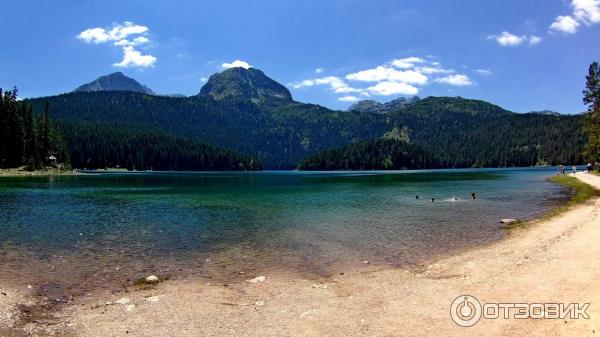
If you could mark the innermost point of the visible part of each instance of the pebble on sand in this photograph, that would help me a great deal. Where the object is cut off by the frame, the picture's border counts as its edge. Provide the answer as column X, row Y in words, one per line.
column 152, row 279
column 508, row 221
column 123, row 300
column 257, row 279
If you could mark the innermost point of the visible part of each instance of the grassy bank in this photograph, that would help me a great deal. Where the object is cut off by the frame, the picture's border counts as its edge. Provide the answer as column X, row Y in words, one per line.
column 582, row 192
column 22, row 172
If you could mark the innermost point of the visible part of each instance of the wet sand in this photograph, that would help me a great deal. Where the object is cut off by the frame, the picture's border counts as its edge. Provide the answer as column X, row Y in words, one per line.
column 552, row 260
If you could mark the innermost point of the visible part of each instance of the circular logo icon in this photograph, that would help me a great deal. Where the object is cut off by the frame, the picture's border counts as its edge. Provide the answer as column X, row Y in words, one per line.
column 465, row 310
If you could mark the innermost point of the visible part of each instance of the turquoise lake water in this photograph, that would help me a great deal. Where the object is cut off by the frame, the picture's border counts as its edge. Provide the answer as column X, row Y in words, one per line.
column 67, row 233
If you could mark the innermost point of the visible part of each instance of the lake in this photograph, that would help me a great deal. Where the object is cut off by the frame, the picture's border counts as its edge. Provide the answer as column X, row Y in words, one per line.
column 68, row 234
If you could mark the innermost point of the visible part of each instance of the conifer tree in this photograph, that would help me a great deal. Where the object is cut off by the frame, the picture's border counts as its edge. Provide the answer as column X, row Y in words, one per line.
column 591, row 122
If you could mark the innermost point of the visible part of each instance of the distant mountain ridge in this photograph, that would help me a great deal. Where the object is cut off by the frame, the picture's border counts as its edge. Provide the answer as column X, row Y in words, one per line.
column 372, row 106
column 246, row 111
column 115, row 82
column 545, row 112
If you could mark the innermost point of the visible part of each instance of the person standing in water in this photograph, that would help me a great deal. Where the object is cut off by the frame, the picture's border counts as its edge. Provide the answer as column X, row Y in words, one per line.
column 574, row 169
column 473, row 196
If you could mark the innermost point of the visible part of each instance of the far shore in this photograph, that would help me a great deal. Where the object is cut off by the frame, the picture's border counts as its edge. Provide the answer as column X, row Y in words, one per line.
column 22, row 172
column 551, row 260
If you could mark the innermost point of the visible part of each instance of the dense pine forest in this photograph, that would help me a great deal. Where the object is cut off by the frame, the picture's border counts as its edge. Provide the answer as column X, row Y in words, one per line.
column 379, row 154
column 26, row 140
column 97, row 146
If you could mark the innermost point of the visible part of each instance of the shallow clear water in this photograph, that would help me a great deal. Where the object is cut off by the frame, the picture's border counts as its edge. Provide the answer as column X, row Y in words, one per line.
column 73, row 232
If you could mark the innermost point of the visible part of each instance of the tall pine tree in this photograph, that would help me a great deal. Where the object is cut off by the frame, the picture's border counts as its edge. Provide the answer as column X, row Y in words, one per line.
column 591, row 122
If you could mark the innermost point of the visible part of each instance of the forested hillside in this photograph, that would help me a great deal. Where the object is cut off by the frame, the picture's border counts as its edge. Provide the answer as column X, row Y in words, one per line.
column 379, row 154
column 94, row 146
column 254, row 116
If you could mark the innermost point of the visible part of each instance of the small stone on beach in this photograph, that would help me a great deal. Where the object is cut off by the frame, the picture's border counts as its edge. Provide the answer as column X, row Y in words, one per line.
column 508, row 221
column 152, row 279
column 257, row 279
column 152, row 299
column 123, row 300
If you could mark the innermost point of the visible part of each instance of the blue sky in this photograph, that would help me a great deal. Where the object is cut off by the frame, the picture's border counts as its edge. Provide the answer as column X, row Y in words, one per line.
column 521, row 55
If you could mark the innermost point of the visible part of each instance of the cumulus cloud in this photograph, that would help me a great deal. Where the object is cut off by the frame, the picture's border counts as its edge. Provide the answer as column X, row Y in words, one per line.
column 402, row 76
column 133, row 58
column 388, row 88
column 126, row 35
column 348, row 99
column 407, row 63
column 385, row 73
column 507, row 39
column 336, row 84
column 458, row 80
column 586, row 12
column 565, row 24
column 236, row 64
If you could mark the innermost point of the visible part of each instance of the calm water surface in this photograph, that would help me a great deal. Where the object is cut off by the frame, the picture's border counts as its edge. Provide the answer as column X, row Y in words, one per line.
column 71, row 232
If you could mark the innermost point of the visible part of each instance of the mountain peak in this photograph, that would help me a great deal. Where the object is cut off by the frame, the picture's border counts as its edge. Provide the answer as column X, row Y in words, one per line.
column 249, row 83
column 116, row 81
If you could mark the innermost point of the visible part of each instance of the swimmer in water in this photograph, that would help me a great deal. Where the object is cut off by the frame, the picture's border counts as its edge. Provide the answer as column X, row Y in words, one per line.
column 432, row 199
column 473, row 196
column 417, row 197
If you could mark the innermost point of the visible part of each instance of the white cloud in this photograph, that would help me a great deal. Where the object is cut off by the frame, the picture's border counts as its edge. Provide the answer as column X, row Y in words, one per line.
column 433, row 70
column 388, row 88
column 94, row 35
column 458, row 80
column 484, row 72
column 397, row 77
column 348, row 99
column 119, row 34
column 507, row 39
column 203, row 79
column 319, row 70
column 406, row 63
column 534, row 39
column 336, row 84
column 384, row 73
column 236, row 64
column 585, row 12
column 565, row 24
column 134, row 58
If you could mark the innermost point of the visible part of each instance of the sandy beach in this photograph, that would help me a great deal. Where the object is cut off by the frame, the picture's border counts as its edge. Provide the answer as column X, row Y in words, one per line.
column 550, row 260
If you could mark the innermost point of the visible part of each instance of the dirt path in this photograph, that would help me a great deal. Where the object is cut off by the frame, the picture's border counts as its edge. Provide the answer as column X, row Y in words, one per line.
column 554, row 260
